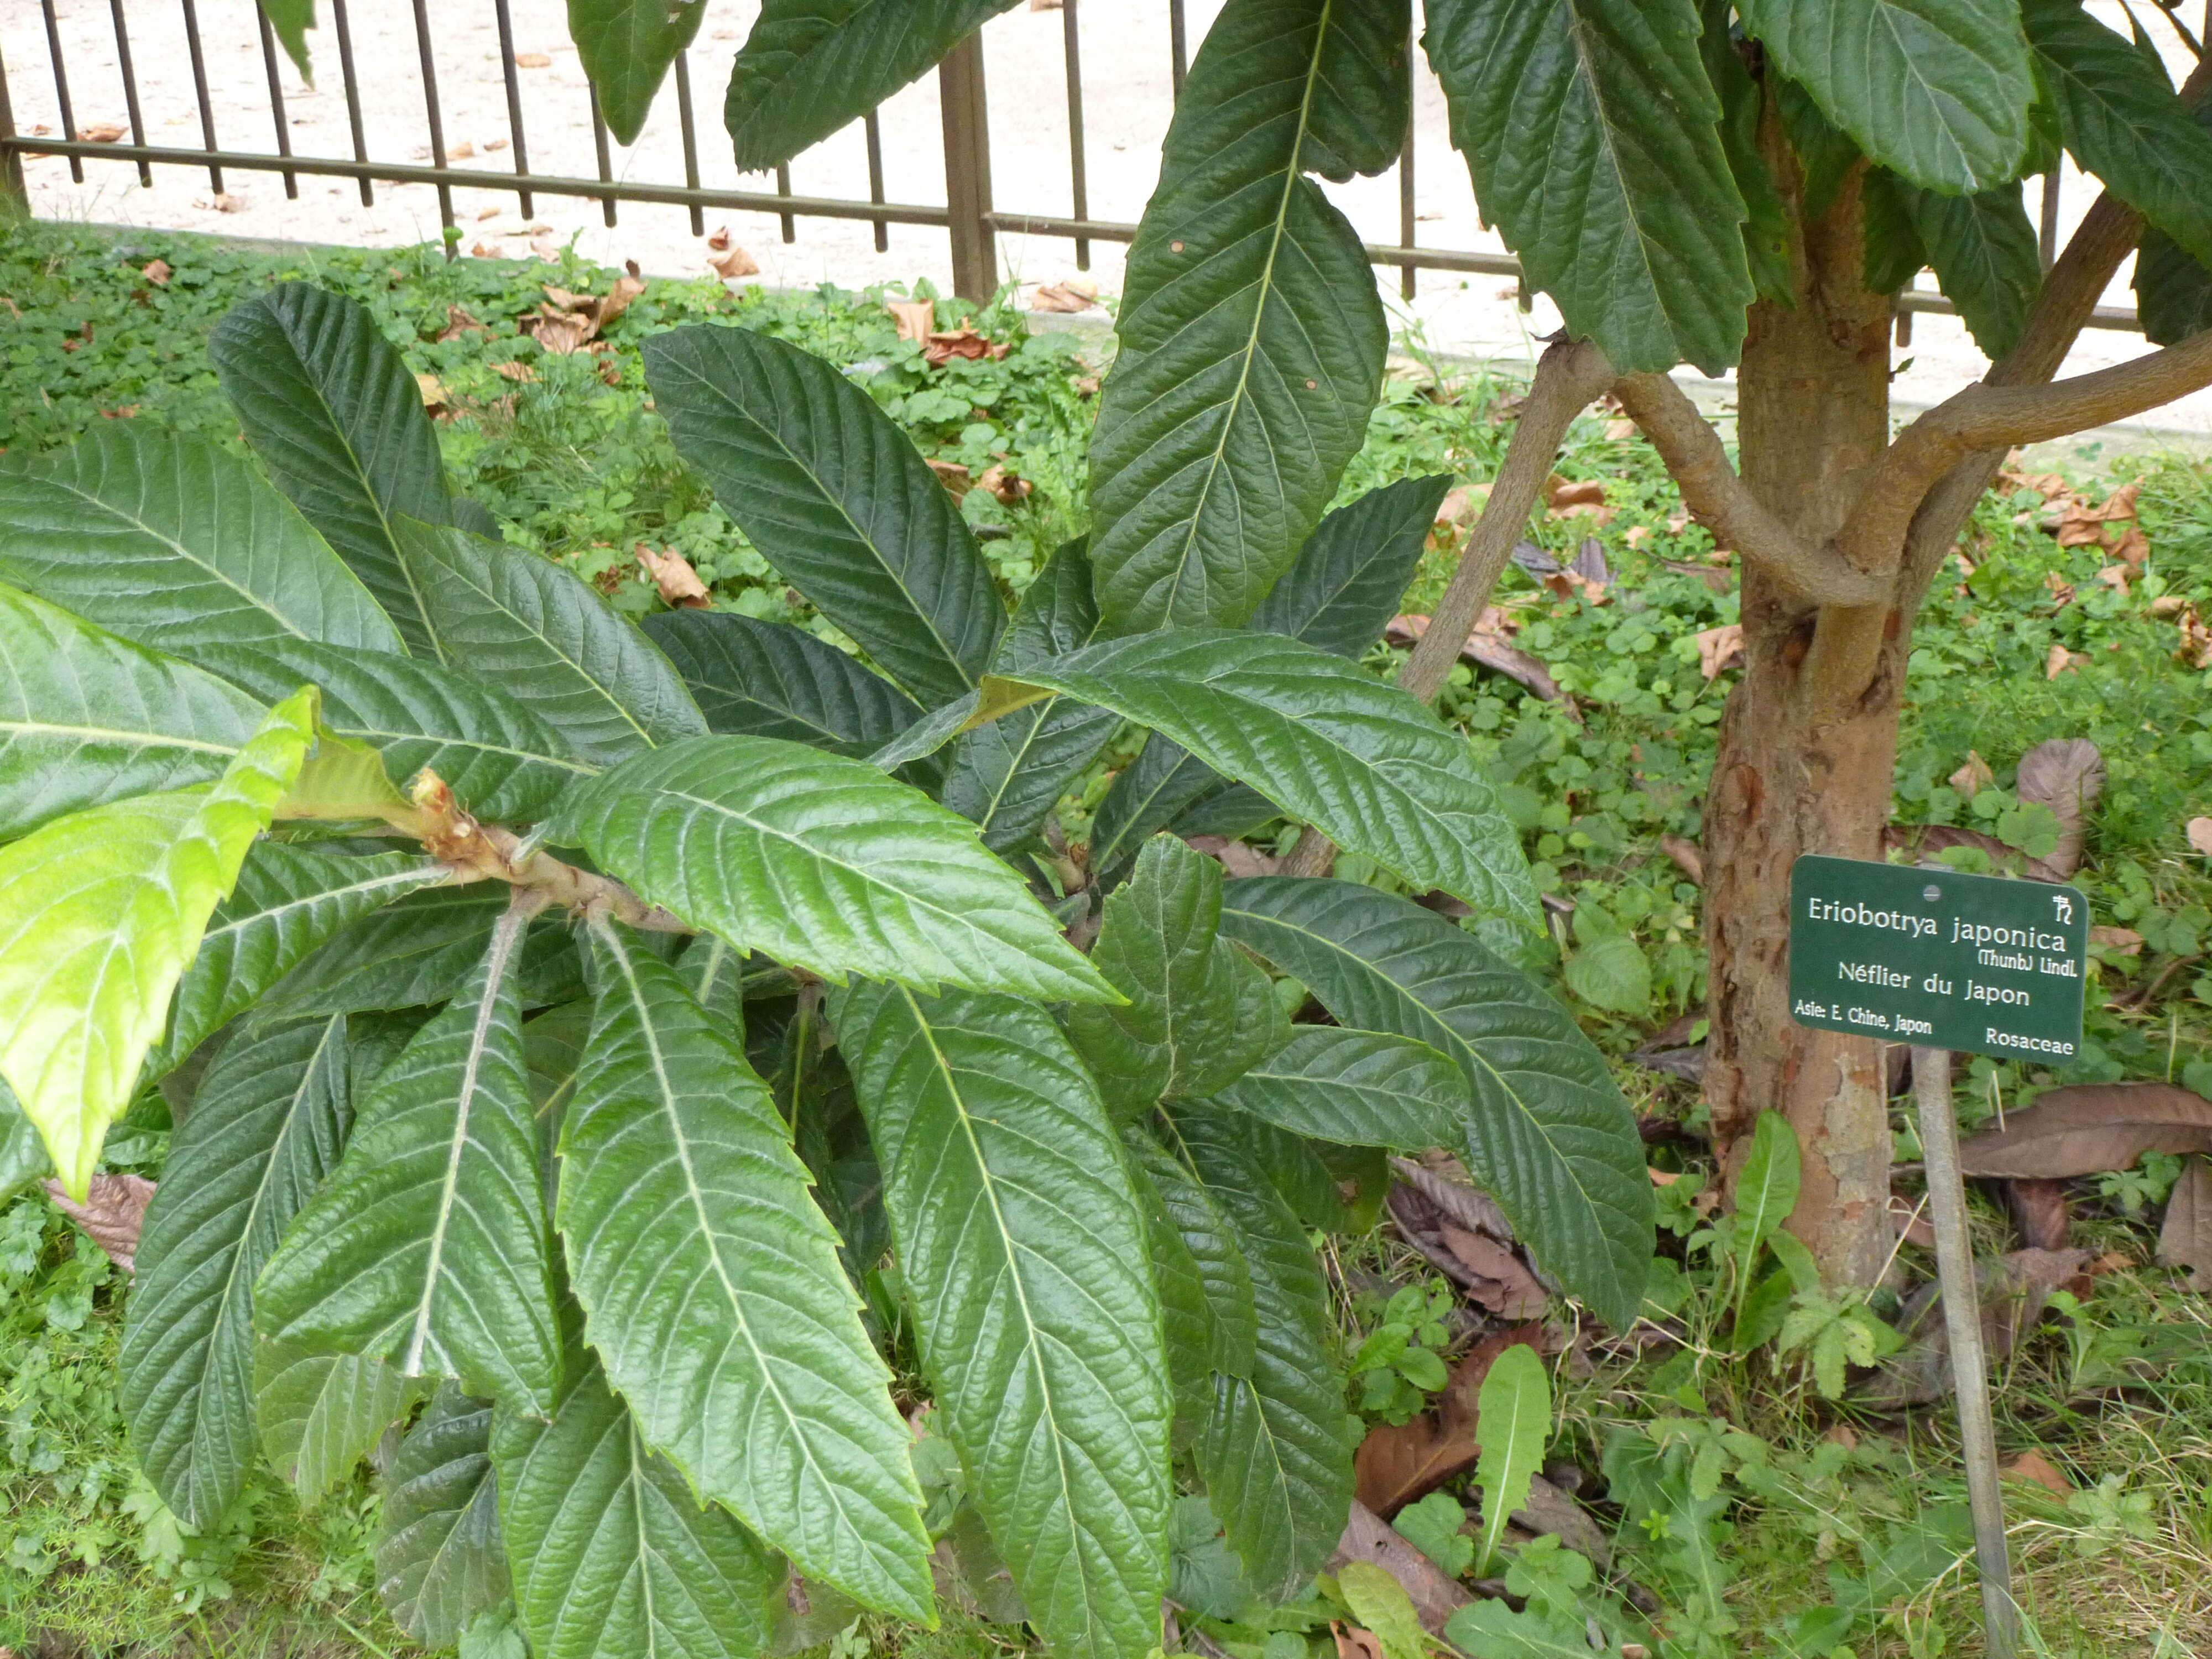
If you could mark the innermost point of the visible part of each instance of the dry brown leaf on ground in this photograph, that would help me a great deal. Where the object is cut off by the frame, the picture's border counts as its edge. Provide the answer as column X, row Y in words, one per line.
column 2184, row 1239
column 1907, row 1222
column 719, row 240
column 2087, row 1128
column 1582, row 492
column 734, row 263
column 532, row 60
column 1686, row 855
column 1973, row 777
column 2120, row 941
column 434, row 396
column 2061, row 590
column 515, row 371
column 1073, row 295
column 2066, row 774
column 2115, row 576
column 1720, row 649
column 1235, row 857
column 562, row 333
column 1399, row 1463
column 112, row 1215
column 101, row 132
column 2012, row 1291
column 942, row 347
column 2038, row 1211
column 672, row 575
column 2194, row 646
column 155, row 271
column 461, row 152
column 458, row 323
column 1008, row 487
column 222, row 201
column 2199, row 832
column 2062, row 661
column 2033, row 1466
column 913, row 318
column 1353, row 1643
column 953, row 475
column 1497, row 1279
column 1367, row 1537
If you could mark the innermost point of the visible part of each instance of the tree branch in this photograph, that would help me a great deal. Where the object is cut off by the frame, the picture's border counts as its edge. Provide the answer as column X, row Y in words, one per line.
column 1719, row 500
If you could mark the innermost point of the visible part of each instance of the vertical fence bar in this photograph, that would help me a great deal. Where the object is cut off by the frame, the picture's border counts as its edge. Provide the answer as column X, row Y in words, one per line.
column 967, row 171
column 200, row 86
column 873, row 129
column 352, row 92
column 513, row 106
column 1407, row 283
column 606, row 158
column 2047, row 233
column 1178, row 44
column 61, row 87
column 130, row 88
column 690, row 138
column 783, row 188
column 1078, row 181
column 12, row 187
column 437, row 122
column 276, row 100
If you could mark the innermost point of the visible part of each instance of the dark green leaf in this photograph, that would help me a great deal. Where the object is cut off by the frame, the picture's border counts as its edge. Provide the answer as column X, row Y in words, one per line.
column 428, row 1246
column 1361, row 1088
column 440, row 1558
column 1146, row 796
column 1233, row 1326
column 835, row 496
column 614, row 1556
column 2173, row 293
column 1894, row 255
column 714, row 1294
column 1545, row 1130
column 810, row 66
column 1937, row 90
column 87, row 718
column 264, row 1128
column 542, row 635
column 1594, row 137
column 1348, row 580
column 1366, row 762
column 626, row 47
column 1252, row 336
column 174, row 543
column 22, row 1155
column 321, row 1413
column 1023, row 1251
column 1187, row 1321
column 419, row 951
column 500, row 760
column 1825, row 154
column 1200, row 1013
column 823, row 863
column 1766, row 227
column 1008, row 775
column 762, row 679
column 1985, row 259
column 329, row 406
column 2123, row 122
column 1275, row 1453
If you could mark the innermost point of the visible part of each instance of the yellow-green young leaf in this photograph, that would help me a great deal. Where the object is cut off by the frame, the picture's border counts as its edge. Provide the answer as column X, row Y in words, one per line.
column 22, row 1155
column 1023, row 1252
column 713, row 1291
column 321, row 1413
column 1514, row 1425
column 101, row 913
column 292, row 19
column 1380, row 1602
column 1766, row 1188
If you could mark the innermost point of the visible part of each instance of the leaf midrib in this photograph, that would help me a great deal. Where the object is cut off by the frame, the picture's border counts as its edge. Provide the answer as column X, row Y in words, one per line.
column 101, row 733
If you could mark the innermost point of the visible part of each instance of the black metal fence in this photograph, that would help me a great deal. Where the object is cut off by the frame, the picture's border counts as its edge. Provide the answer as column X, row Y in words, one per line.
column 971, row 218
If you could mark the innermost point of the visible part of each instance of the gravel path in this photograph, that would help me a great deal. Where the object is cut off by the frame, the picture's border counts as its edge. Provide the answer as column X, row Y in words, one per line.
column 1128, row 100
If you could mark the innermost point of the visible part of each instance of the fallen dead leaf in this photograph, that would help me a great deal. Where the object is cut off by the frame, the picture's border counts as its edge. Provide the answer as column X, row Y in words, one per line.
column 941, row 348
column 2132, row 549
column 120, row 412
column 2086, row 1128
column 495, row 143
column 1686, row 856
column 672, row 575
column 100, row 132
column 2034, row 1466
column 1235, row 857
column 2061, row 591
column 2185, row 1240
column 2066, row 774
column 1973, row 777
column 155, row 271
column 1399, row 1463
column 2120, row 941
column 2168, row 604
column 2200, row 836
column 1907, row 1222
column 488, row 213
column 1720, row 649
column 734, row 264
column 913, row 318
column 719, row 240
column 2038, row 1211
column 1619, row 431
column 1368, row 1537
column 532, row 60
column 1497, row 1279
column 2115, row 576
column 1008, row 487
column 1560, row 494
column 2195, row 645
column 461, row 152
column 1072, row 296
column 113, row 1214
column 458, row 323
column 223, row 202
column 2062, row 661
column 434, row 395
column 515, row 371
column 2012, row 1291
column 1637, row 534
column 953, row 475
column 1353, row 1643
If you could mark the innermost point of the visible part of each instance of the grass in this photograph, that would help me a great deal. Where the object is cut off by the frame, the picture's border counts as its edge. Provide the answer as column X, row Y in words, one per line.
column 1778, row 1520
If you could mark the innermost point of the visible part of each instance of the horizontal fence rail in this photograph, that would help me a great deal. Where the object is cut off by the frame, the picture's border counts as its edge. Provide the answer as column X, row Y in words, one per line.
column 971, row 218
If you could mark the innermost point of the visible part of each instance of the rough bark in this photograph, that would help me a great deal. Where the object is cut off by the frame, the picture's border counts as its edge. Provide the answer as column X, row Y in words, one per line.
column 1807, row 746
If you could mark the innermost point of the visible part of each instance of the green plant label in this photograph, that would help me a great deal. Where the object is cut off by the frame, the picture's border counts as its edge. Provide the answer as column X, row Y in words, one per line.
column 1983, row 964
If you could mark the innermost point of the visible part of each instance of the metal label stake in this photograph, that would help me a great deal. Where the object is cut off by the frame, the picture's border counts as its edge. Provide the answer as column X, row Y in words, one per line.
column 1946, row 962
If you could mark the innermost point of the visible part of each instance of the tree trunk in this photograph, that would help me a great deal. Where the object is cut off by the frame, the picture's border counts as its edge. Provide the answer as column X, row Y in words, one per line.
column 1808, row 745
